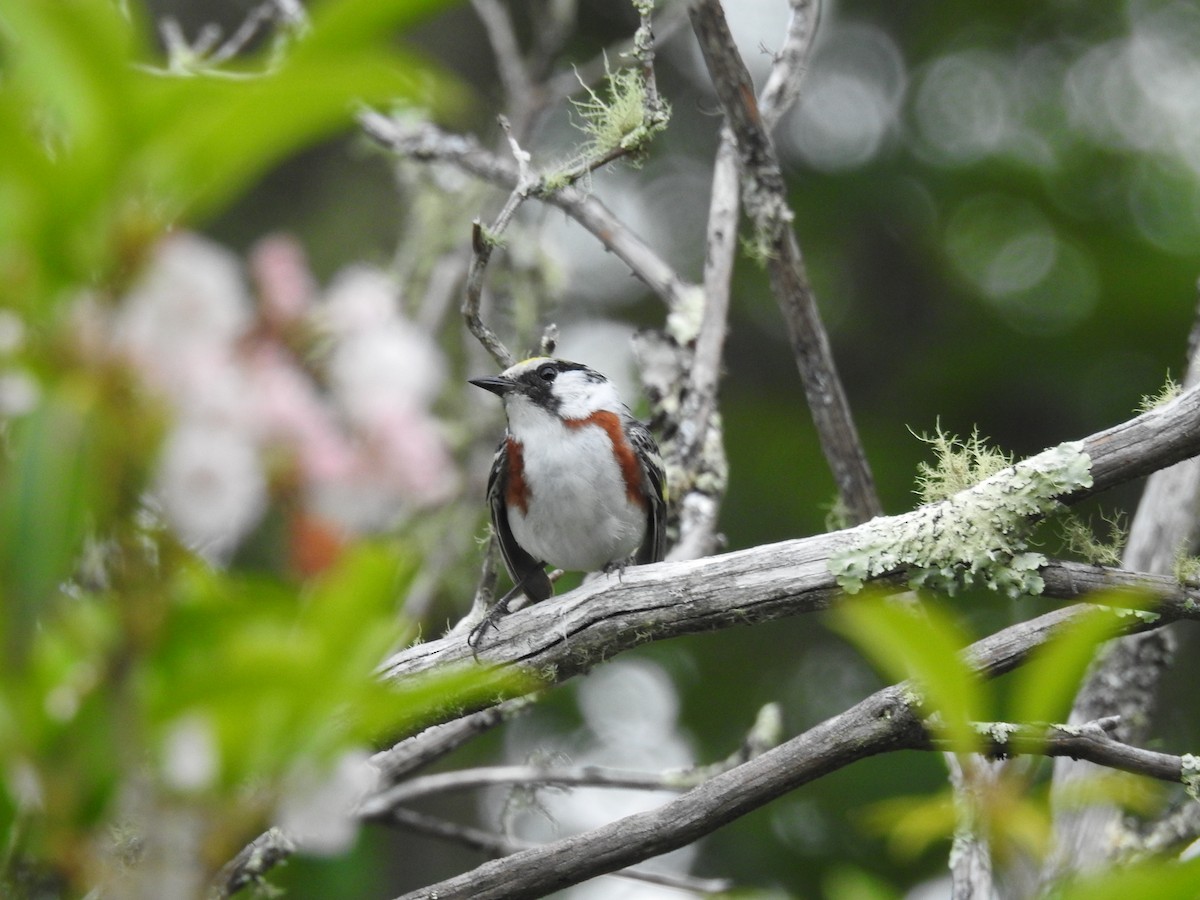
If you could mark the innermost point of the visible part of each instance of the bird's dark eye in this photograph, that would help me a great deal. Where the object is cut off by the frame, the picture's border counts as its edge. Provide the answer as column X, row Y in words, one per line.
column 547, row 372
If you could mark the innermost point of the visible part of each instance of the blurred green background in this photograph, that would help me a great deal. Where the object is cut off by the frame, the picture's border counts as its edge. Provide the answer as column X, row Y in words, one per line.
column 999, row 205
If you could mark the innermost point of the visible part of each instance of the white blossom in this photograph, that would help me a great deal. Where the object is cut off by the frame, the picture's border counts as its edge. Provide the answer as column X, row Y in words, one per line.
column 211, row 486
column 318, row 811
column 190, row 759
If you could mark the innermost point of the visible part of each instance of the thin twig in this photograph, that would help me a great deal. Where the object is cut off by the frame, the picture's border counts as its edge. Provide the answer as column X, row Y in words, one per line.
column 252, row 864
column 483, row 242
column 782, row 89
column 496, row 845
column 643, row 52
column 762, row 736
column 697, row 448
column 379, row 805
column 241, row 37
column 670, row 22
column 1092, row 741
column 426, row 143
column 482, row 245
column 435, row 742
column 764, row 194
column 530, row 183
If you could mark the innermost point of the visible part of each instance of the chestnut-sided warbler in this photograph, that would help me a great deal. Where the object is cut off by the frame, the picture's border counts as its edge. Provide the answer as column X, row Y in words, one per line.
column 577, row 482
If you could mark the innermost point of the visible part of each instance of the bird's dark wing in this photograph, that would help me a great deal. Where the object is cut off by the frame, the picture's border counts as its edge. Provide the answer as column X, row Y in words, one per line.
column 523, row 568
column 654, row 545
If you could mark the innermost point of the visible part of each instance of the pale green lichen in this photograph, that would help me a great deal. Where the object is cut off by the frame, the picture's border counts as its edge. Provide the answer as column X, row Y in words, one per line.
column 758, row 247
column 1186, row 568
column 957, row 464
column 621, row 120
column 1164, row 395
column 1144, row 615
column 490, row 239
column 687, row 316
column 996, row 732
column 837, row 515
column 1191, row 775
column 552, row 182
column 978, row 536
column 1083, row 541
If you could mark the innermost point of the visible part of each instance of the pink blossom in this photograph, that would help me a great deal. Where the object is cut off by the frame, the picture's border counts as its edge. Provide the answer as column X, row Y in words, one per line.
column 286, row 287
column 351, row 429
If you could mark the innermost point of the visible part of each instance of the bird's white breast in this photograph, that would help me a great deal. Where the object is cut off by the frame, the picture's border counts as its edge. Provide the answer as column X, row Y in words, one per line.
column 578, row 516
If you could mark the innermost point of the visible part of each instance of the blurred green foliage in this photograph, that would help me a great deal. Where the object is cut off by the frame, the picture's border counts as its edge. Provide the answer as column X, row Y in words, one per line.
column 135, row 676
column 1161, row 880
column 106, row 145
column 922, row 641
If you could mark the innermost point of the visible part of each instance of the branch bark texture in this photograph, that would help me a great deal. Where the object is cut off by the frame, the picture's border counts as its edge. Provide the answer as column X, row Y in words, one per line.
column 764, row 194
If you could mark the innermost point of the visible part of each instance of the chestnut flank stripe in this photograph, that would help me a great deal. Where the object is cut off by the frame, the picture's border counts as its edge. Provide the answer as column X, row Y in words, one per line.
column 631, row 468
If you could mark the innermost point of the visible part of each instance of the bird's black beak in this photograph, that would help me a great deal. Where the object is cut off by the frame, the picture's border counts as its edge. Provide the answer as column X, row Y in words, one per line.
column 498, row 386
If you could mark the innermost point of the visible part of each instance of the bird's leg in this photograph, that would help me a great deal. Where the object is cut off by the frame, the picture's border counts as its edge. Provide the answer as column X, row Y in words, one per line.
column 618, row 566
column 529, row 580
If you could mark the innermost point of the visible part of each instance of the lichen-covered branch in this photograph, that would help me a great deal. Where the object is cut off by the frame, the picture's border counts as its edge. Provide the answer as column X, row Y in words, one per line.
column 681, row 369
column 252, row 864
column 979, row 536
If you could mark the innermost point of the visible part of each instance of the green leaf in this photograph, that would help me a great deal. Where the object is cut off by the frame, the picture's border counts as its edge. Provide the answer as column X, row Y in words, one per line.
column 922, row 643
column 1160, row 879
column 226, row 133
column 100, row 154
column 913, row 823
column 77, row 55
column 281, row 673
column 48, row 485
column 1045, row 687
